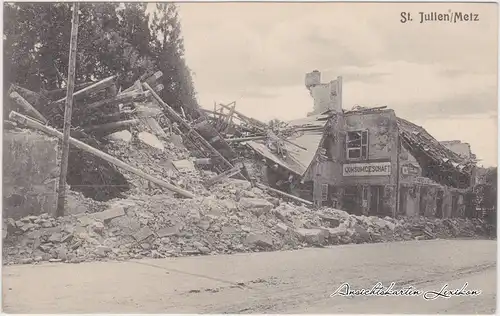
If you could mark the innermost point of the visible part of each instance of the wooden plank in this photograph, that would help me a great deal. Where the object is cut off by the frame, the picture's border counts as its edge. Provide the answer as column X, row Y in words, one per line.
column 58, row 93
column 222, row 176
column 152, row 80
column 101, row 85
column 21, row 119
column 244, row 139
column 293, row 197
column 174, row 116
column 292, row 143
column 27, row 107
column 136, row 87
column 208, row 132
column 28, row 95
column 68, row 112
column 259, row 124
column 121, row 98
column 159, row 87
column 112, row 126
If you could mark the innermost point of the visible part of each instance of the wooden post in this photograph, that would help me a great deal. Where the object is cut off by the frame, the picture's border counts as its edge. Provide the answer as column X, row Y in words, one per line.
column 21, row 119
column 67, row 114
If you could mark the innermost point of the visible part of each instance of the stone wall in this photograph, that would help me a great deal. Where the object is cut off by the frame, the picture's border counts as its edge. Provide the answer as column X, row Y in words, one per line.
column 30, row 173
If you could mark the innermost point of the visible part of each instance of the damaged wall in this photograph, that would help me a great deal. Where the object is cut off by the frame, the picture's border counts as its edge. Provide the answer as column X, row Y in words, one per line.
column 326, row 96
column 462, row 149
column 30, row 173
column 381, row 128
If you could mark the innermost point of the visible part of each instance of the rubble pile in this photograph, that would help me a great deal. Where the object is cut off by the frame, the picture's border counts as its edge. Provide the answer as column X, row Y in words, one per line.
column 232, row 218
column 154, row 159
column 224, row 216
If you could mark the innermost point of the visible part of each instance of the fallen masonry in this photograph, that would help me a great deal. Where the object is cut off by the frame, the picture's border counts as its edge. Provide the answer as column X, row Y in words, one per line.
column 149, row 220
column 162, row 226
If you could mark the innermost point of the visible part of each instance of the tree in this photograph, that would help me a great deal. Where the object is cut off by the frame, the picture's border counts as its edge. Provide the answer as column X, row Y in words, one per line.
column 167, row 46
column 486, row 192
column 113, row 39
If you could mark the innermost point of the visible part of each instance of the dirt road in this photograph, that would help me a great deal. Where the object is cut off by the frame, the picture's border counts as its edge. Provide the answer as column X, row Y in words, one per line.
column 279, row 282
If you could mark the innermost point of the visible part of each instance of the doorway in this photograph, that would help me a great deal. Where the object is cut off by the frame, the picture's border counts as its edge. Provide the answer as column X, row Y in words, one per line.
column 351, row 200
column 454, row 206
column 403, row 193
column 439, row 204
column 376, row 200
column 422, row 206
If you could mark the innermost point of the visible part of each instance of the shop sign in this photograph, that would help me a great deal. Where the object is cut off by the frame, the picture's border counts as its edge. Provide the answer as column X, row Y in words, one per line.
column 423, row 180
column 367, row 169
column 410, row 170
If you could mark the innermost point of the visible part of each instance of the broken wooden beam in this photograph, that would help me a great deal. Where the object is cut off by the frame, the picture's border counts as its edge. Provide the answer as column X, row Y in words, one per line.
column 146, row 75
column 203, row 161
column 244, row 139
column 121, row 98
column 27, row 106
column 292, row 143
column 58, row 93
column 101, row 85
column 176, row 117
column 159, row 87
column 226, row 174
column 27, row 94
column 152, row 79
column 250, row 120
column 136, row 87
column 112, row 126
column 293, row 197
column 21, row 119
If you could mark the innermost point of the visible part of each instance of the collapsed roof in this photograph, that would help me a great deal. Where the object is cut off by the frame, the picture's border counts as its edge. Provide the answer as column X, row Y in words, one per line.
column 302, row 146
column 437, row 161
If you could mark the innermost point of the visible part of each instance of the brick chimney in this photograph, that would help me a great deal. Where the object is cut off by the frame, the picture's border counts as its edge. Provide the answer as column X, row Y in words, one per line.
column 327, row 96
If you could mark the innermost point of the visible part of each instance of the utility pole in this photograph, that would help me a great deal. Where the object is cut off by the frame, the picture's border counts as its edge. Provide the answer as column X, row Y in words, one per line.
column 68, row 111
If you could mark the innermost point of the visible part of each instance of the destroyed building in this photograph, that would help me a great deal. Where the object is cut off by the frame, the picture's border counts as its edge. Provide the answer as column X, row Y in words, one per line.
column 368, row 161
column 147, row 181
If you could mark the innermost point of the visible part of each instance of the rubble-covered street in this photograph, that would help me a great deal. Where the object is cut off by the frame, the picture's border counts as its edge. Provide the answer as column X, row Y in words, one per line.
column 230, row 218
column 226, row 216
column 299, row 281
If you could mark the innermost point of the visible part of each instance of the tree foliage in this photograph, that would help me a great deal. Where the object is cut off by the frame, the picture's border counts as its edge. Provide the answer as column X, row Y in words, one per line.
column 487, row 189
column 113, row 38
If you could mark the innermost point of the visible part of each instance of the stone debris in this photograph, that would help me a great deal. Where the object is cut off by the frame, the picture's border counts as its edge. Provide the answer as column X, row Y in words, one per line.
column 123, row 136
column 151, row 140
column 184, row 165
column 109, row 213
column 162, row 226
column 228, row 217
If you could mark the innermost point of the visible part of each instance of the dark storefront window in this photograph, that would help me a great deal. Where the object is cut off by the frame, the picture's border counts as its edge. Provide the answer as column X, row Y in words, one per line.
column 351, row 200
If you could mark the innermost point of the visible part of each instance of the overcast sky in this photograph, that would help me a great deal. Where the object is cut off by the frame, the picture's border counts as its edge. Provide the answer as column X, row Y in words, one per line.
column 439, row 75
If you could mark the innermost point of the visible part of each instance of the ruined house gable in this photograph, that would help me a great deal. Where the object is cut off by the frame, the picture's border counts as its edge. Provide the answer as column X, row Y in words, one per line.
column 438, row 163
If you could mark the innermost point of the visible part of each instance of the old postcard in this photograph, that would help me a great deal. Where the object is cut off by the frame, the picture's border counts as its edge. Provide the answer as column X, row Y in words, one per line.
column 250, row 157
